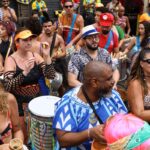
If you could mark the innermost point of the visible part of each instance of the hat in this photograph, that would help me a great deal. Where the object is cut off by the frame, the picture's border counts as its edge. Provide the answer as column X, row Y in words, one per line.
column 24, row 35
column 106, row 19
column 144, row 17
column 89, row 30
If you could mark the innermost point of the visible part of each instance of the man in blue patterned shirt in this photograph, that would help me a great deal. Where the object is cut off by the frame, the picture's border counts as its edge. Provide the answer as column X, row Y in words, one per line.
column 75, row 123
column 89, row 52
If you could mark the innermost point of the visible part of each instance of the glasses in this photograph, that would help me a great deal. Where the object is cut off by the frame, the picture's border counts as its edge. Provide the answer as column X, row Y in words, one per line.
column 146, row 60
column 68, row 6
column 93, row 37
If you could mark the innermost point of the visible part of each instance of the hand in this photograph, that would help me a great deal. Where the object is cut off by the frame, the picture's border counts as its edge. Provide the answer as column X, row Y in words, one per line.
column 96, row 133
column 122, row 55
column 127, row 35
column 29, row 64
column 69, row 45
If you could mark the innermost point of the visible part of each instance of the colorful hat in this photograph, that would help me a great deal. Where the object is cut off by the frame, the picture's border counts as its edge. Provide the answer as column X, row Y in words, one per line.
column 24, row 35
column 89, row 30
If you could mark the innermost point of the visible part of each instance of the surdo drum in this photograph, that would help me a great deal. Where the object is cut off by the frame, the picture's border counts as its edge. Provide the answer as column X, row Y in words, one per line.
column 41, row 111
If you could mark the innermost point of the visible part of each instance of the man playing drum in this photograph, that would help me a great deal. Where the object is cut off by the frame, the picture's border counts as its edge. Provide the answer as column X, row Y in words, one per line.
column 57, row 51
column 82, row 111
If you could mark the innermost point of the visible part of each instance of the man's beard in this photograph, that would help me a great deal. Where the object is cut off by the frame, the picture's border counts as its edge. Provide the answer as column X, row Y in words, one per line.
column 90, row 47
column 48, row 33
column 105, row 93
column 105, row 32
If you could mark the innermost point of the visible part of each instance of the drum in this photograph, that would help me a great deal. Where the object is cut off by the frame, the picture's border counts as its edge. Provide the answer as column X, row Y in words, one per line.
column 41, row 111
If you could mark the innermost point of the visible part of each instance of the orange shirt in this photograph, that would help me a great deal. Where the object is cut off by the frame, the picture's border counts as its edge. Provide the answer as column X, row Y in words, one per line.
column 66, row 23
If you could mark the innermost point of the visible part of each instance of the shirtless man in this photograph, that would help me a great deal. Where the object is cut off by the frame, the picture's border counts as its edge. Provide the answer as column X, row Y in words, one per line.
column 47, row 36
column 7, row 13
column 58, row 53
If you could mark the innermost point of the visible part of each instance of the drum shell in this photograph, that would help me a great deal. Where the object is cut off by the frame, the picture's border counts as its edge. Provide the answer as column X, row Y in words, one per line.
column 41, row 113
column 41, row 132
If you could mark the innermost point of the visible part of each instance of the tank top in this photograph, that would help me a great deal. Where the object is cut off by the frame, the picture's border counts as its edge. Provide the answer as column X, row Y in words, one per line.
column 147, row 102
column 66, row 27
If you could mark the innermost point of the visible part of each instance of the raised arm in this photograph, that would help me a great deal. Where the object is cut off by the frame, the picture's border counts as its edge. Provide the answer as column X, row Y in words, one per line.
column 128, row 26
column 61, row 54
column 11, row 82
column 130, row 46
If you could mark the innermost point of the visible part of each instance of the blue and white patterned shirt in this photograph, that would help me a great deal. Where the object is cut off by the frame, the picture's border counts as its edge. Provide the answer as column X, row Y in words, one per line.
column 74, row 115
column 80, row 58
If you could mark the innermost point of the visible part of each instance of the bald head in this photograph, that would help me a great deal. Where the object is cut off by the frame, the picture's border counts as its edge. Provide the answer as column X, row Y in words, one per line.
column 95, row 69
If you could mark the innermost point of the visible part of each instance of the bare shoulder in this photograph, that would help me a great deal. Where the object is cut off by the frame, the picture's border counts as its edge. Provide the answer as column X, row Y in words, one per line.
column 134, row 84
column 40, row 36
column 10, row 63
column 59, row 37
column 79, row 18
column 11, row 99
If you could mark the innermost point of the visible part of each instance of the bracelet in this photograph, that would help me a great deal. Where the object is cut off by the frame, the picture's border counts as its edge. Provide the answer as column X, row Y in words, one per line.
column 89, row 133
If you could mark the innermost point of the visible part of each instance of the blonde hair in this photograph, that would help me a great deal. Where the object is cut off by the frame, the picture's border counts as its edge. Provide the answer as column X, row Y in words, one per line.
column 3, row 102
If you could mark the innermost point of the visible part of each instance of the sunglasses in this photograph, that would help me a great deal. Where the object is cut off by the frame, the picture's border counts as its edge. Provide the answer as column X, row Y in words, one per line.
column 68, row 6
column 146, row 60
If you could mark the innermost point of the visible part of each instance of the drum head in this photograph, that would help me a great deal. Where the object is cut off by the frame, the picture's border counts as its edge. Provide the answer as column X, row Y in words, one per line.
column 43, row 106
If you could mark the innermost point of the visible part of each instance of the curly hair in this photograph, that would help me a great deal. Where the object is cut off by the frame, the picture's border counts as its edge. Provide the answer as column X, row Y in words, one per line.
column 9, row 25
column 3, row 102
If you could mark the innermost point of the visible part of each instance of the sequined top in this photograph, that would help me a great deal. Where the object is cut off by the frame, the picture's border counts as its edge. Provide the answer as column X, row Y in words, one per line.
column 147, row 102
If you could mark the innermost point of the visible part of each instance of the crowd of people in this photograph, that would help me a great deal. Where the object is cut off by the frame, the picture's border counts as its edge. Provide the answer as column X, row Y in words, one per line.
column 86, row 50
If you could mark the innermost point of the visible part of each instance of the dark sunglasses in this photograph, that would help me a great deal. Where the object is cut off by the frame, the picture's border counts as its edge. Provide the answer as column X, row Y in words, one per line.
column 146, row 60
column 68, row 6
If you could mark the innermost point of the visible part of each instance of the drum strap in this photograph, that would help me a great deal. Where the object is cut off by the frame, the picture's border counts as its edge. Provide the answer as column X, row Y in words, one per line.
column 110, row 36
column 91, row 105
column 53, row 43
column 71, row 28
